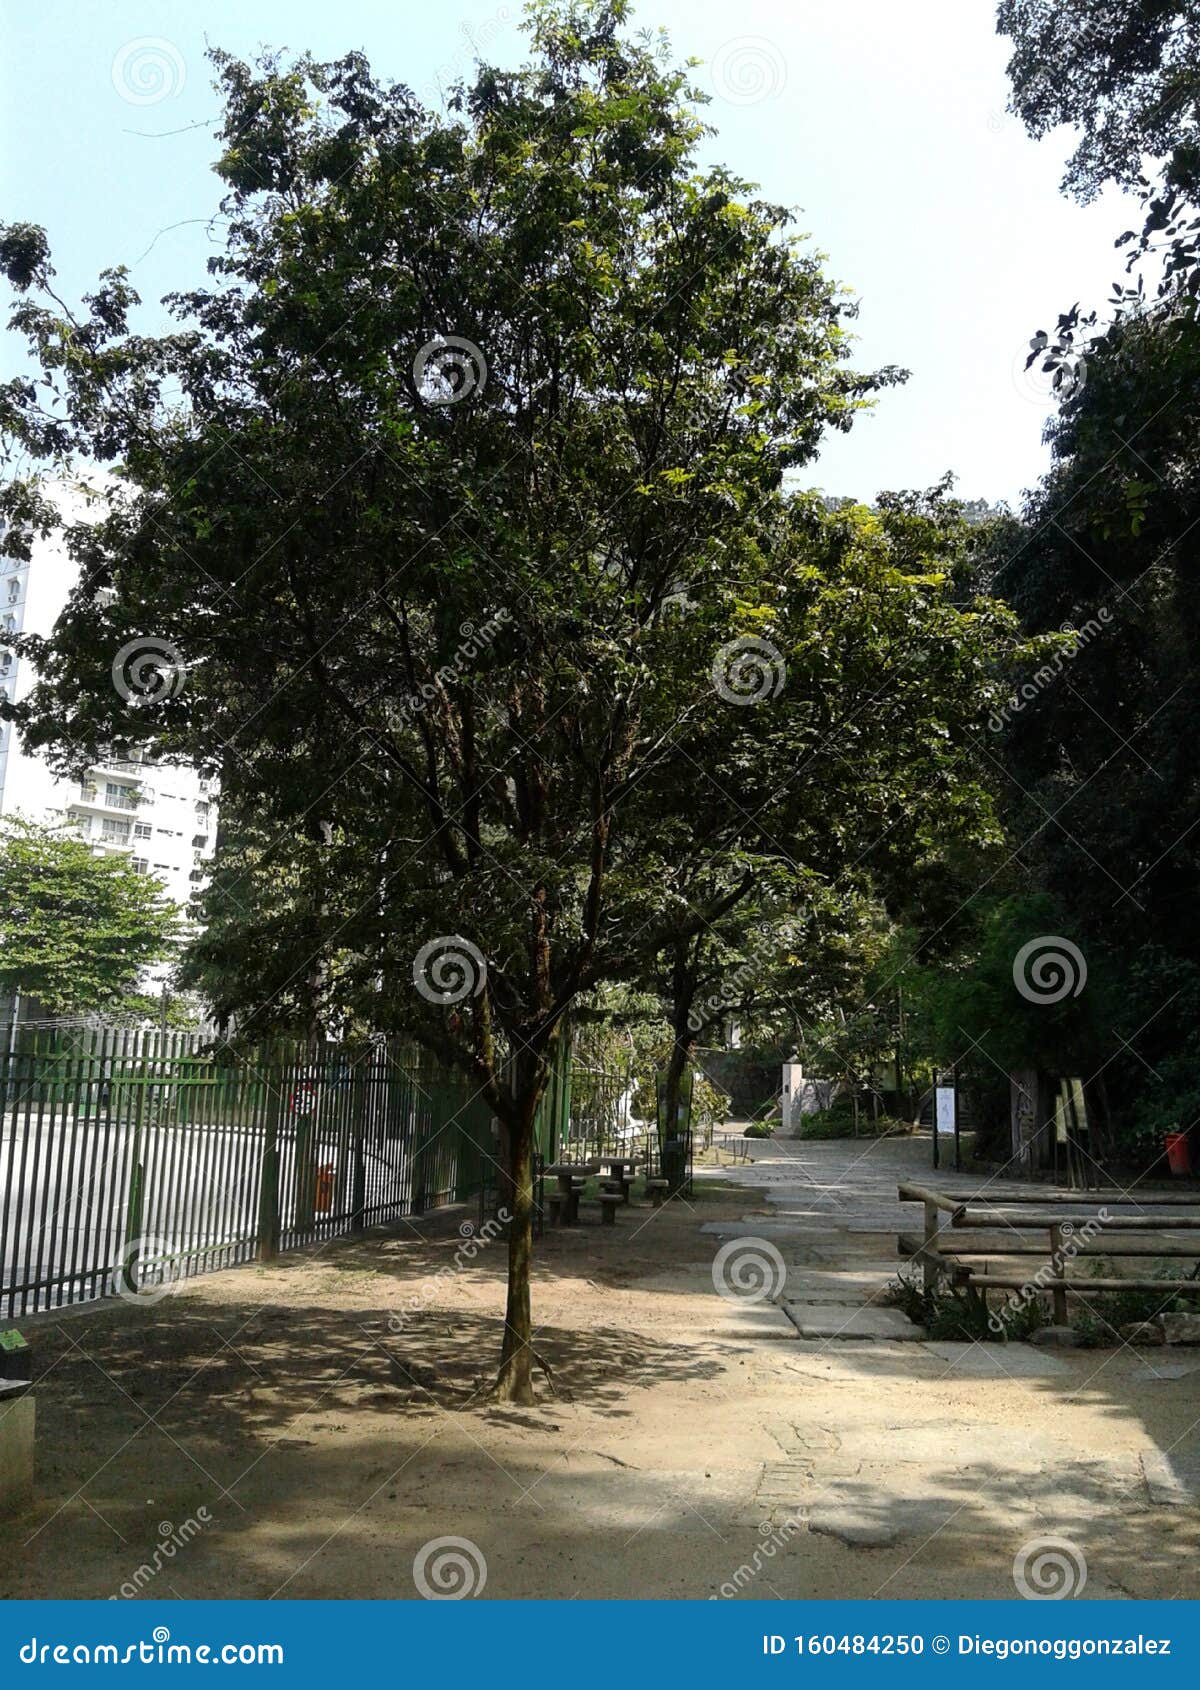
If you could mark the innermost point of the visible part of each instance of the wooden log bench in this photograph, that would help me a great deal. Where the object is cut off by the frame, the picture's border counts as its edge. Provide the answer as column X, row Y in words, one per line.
column 1106, row 1232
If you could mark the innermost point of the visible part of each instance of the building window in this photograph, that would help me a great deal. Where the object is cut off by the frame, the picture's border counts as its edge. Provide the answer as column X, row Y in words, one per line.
column 112, row 829
column 119, row 797
column 14, row 590
column 139, row 865
column 142, row 830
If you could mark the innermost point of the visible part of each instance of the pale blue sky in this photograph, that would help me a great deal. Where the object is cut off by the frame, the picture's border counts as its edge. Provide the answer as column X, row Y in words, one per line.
column 882, row 121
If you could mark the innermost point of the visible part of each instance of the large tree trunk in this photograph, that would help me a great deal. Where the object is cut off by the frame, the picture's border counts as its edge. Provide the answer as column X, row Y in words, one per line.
column 671, row 1093
column 515, row 1380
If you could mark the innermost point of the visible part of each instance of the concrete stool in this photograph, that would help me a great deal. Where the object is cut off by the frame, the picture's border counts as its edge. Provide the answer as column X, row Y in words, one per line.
column 16, row 1445
column 658, row 1189
column 610, row 1202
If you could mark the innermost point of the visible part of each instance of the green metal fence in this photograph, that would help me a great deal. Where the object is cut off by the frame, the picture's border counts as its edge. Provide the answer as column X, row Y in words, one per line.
column 129, row 1159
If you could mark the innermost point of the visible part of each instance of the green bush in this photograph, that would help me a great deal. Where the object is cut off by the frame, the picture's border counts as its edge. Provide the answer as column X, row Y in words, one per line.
column 759, row 1129
column 838, row 1122
column 961, row 1316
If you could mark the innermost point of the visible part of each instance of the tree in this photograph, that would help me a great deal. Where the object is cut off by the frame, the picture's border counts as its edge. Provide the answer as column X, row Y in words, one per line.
column 862, row 781
column 76, row 929
column 1098, row 746
column 437, row 509
column 1127, row 74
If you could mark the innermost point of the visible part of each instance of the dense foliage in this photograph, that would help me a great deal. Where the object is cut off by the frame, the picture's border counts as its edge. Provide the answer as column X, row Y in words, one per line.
column 77, row 930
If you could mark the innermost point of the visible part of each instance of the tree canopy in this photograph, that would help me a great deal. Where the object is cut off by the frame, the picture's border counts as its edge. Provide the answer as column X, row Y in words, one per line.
column 77, row 930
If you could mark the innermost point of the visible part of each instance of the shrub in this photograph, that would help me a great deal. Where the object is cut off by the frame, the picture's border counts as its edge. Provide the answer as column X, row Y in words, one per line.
column 961, row 1315
column 759, row 1129
column 838, row 1122
column 1098, row 1320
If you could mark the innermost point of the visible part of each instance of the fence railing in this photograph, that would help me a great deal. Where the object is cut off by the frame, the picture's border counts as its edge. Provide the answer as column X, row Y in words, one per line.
column 128, row 1159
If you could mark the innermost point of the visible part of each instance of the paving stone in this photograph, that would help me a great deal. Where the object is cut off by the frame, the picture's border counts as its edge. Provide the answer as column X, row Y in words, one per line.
column 818, row 1320
column 736, row 1319
column 996, row 1361
column 951, row 1443
column 863, row 1276
column 756, row 1226
column 861, row 1528
column 1172, row 1480
column 1165, row 1371
column 849, row 1298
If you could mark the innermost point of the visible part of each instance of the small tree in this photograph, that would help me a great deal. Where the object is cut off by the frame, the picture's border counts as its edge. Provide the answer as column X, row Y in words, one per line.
column 76, row 929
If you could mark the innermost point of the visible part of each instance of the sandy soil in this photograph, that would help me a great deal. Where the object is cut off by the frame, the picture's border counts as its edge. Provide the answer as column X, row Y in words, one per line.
column 682, row 1435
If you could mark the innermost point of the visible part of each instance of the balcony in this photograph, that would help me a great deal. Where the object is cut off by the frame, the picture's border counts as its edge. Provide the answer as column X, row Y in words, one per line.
column 92, row 798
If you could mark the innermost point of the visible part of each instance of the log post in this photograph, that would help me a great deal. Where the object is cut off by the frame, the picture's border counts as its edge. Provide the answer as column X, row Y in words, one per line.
column 1056, row 1262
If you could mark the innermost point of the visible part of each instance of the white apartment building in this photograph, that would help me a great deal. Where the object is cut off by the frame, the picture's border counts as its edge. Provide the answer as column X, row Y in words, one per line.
column 162, row 816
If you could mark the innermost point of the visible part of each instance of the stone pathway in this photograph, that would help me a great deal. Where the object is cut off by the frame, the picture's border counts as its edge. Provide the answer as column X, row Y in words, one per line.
column 831, row 1217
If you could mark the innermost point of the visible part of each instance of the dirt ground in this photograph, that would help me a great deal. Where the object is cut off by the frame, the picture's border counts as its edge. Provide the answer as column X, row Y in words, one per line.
column 318, row 1451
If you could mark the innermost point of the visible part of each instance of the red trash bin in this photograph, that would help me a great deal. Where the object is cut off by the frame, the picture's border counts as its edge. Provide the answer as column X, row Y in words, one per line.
column 1178, row 1159
column 324, row 1191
